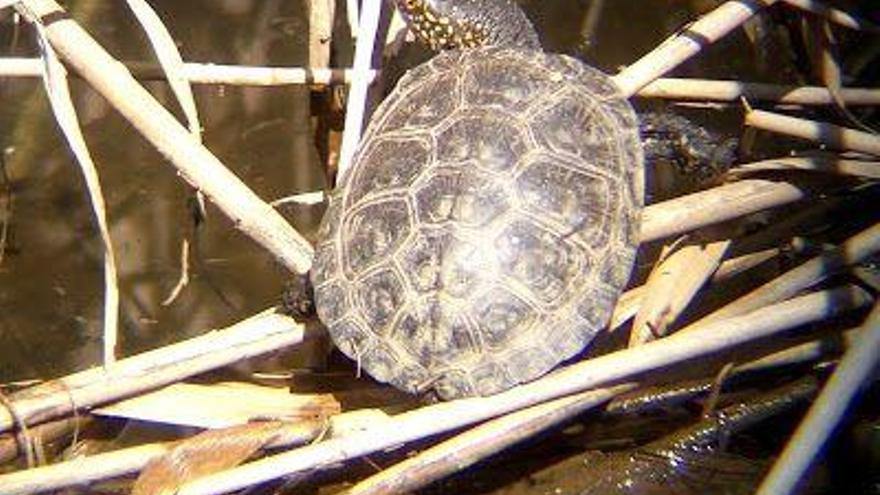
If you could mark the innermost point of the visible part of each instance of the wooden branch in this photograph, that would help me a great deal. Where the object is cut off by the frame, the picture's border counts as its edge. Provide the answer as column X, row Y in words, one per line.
column 835, row 136
column 195, row 162
column 589, row 374
column 687, row 43
column 262, row 333
column 733, row 91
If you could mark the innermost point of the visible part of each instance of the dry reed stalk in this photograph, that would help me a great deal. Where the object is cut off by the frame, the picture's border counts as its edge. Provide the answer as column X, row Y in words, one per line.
column 195, row 162
column 170, row 61
column 834, row 15
column 198, row 73
column 733, row 91
column 671, row 286
column 830, row 163
column 836, row 398
column 484, row 440
column 851, row 252
column 835, row 136
column 687, row 43
column 321, row 15
column 10, row 447
column 262, row 333
column 715, row 205
column 58, row 92
column 90, row 469
column 356, row 110
column 577, row 378
column 468, row 448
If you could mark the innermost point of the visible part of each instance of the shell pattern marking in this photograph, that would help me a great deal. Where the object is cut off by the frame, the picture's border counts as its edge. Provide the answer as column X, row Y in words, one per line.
column 487, row 226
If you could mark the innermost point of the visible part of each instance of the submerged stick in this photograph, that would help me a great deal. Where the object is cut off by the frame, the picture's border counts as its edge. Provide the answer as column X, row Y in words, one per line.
column 687, row 43
column 596, row 372
column 733, row 91
column 842, row 138
column 196, row 163
column 838, row 396
column 262, row 333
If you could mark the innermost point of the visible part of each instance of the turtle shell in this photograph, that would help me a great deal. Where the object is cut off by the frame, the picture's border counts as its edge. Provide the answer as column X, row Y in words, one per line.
column 487, row 225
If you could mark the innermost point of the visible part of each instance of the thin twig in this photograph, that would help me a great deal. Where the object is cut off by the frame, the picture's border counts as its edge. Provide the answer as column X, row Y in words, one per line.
column 837, row 397
column 574, row 379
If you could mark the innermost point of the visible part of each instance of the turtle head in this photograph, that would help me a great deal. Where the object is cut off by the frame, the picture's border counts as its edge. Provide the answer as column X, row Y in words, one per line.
column 444, row 24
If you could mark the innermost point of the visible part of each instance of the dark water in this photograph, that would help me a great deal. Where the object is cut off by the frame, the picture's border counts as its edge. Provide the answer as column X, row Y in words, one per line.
column 50, row 275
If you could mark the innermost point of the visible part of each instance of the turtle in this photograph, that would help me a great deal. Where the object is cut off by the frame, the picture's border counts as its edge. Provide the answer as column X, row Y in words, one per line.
column 491, row 215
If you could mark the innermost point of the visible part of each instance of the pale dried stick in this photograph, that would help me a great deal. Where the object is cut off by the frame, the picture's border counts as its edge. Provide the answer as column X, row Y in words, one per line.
column 55, row 82
column 589, row 374
column 321, row 15
column 715, row 205
column 835, row 136
column 198, row 73
column 10, row 446
column 468, row 448
column 830, row 163
column 356, row 108
column 259, row 334
column 672, row 284
column 83, row 470
column 195, row 162
column 484, row 440
column 851, row 252
column 352, row 14
column 685, row 44
column 834, row 15
column 733, row 91
column 836, row 398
